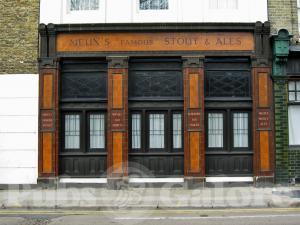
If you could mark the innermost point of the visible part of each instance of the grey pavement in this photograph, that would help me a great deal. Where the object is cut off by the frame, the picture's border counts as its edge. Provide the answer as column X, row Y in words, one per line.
column 165, row 197
column 279, row 216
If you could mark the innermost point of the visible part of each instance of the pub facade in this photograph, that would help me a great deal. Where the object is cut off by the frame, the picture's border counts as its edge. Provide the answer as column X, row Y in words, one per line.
column 184, row 102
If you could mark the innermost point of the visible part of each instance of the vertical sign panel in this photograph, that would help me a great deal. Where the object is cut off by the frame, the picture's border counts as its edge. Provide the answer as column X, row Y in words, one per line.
column 194, row 90
column 117, row 152
column 47, row 152
column 263, row 90
column 264, row 151
column 48, row 91
column 117, row 91
column 194, row 151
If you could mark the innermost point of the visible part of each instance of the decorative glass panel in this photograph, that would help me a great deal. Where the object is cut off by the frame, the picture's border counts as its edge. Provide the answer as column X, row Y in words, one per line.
column 97, row 131
column 215, row 130
column 228, row 84
column 154, row 4
column 72, row 131
column 136, row 131
column 240, row 130
column 76, row 5
column 83, row 79
column 177, row 131
column 156, row 130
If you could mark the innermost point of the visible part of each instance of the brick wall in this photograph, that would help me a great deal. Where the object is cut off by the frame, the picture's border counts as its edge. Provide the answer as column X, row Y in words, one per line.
column 281, row 131
column 287, row 158
column 283, row 14
column 19, row 36
column 294, row 167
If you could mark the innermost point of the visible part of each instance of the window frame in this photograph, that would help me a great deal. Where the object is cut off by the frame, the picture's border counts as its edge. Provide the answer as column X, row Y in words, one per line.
column 84, row 131
column 292, row 103
column 147, row 119
column 88, row 138
column 249, row 131
column 141, row 128
column 295, row 91
column 224, row 130
column 168, row 129
column 172, row 131
column 228, row 138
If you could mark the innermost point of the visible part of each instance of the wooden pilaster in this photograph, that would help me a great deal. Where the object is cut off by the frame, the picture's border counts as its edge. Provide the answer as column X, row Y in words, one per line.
column 194, row 131
column 117, row 116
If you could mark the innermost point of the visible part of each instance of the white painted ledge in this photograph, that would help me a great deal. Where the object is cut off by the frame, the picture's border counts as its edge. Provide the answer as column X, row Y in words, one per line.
column 156, row 180
column 228, row 179
column 83, row 180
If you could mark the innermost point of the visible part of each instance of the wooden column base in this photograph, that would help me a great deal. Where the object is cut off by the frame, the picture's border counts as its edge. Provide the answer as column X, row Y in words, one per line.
column 47, row 182
column 117, row 183
column 194, row 182
column 264, row 181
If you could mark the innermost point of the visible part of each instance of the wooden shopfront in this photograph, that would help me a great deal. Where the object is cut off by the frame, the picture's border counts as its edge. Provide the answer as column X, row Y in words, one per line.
column 171, row 100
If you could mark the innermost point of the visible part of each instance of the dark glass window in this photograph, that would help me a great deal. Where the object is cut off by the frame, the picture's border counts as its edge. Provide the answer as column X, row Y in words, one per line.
column 227, row 78
column 83, row 80
column 155, row 79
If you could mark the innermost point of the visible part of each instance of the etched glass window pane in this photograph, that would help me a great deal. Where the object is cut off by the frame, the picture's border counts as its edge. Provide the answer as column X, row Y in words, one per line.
column 240, row 130
column 156, row 131
column 76, row 5
column 154, row 4
column 215, row 130
column 177, row 131
column 97, row 131
column 136, row 131
column 72, row 131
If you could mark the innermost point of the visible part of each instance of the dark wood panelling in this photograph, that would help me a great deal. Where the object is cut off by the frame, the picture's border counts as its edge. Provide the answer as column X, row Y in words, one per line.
column 87, row 166
column 158, row 166
column 232, row 165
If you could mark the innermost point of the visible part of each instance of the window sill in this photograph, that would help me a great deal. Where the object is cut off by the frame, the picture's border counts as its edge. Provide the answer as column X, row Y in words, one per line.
column 294, row 147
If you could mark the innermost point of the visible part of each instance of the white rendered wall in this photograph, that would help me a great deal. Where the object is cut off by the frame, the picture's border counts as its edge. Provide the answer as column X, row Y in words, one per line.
column 127, row 11
column 18, row 129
